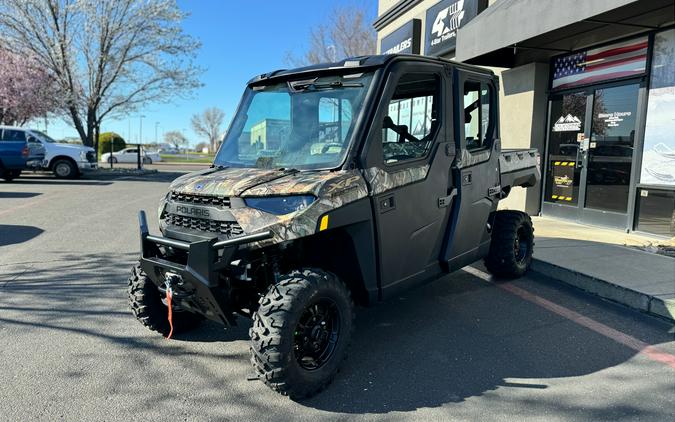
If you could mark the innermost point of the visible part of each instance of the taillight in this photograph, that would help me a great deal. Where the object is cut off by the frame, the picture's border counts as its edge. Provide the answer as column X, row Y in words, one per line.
column 25, row 152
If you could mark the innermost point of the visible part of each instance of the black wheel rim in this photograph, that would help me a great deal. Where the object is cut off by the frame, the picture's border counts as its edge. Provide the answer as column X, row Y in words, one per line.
column 316, row 335
column 521, row 245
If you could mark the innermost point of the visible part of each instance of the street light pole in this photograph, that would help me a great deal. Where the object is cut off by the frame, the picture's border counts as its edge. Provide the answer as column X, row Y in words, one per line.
column 140, row 129
column 140, row 140
column 156, row 125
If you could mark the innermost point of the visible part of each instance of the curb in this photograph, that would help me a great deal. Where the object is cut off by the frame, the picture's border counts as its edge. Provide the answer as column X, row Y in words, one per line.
column 662, row 308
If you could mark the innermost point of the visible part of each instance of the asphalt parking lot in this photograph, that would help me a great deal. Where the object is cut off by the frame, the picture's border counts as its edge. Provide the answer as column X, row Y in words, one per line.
column 461, row 348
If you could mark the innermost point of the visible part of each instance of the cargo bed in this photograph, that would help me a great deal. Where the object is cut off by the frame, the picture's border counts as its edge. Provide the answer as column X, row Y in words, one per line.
column 519, row 167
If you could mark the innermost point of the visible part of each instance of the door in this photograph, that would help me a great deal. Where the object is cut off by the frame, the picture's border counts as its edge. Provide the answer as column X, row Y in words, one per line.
column 590, row 154
column 408, row 172
column 476, row 167
column 129, row 156
column 12, row 144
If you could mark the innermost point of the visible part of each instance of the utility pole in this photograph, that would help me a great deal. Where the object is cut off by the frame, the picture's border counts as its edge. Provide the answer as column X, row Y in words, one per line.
column 156, row 125
column 140, row 141
column 140, row 129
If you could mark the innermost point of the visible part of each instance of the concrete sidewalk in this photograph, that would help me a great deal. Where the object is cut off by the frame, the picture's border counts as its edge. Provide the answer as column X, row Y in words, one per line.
column 601, row 261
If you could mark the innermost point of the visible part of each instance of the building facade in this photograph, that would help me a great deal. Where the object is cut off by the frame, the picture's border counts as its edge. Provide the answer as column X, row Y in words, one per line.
column 591, row 84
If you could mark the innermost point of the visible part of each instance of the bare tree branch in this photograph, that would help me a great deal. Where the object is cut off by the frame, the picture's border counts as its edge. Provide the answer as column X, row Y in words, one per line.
column 108, row 57
column 347, row 34
column 208, row 124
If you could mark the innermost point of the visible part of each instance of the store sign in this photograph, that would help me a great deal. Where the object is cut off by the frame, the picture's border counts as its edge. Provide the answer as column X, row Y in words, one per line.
column 658, row 158
column 567, row 123
column 405, row 40
column 614, row 119
column 444, row 19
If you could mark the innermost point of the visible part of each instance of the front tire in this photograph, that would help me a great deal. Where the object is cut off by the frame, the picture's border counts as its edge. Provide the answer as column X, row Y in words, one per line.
column 147, row 306
column 512, row 244
column 301, row 332
column 147, row 160
column 64, row 169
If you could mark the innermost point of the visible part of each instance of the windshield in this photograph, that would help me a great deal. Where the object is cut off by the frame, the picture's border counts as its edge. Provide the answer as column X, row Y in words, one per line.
column 44, row 137
column 305, row 124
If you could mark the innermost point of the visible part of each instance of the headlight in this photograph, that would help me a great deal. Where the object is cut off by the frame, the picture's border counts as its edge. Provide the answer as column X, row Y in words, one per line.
column 280, row 205
column 83, row 155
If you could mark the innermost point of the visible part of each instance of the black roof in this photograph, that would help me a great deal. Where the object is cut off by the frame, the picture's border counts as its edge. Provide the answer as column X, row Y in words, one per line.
column 348, row 65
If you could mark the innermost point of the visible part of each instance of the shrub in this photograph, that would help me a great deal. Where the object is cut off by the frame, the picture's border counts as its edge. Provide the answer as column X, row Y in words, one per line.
column 106, row 138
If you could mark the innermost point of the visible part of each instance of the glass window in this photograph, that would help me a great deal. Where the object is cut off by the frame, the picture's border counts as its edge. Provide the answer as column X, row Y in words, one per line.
column 303, row 124
column 477, row 114
column 12, row 135
column 656, row 211
column 335, row 119
column 610, row 152
column 409, row 126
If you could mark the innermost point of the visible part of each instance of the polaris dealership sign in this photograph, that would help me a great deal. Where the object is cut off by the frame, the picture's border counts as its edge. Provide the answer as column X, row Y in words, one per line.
column 444, row 19
column 405, row 39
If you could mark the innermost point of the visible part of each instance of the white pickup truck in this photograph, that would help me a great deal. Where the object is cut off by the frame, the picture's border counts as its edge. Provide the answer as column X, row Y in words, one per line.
column 66, row 161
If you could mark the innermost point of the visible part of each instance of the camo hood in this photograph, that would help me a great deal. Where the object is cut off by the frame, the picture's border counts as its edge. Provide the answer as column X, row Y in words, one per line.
column 245, row 182
column 332, row 190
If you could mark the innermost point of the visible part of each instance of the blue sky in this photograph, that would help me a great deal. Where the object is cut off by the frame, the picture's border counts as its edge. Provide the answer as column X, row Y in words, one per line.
column 240, row 39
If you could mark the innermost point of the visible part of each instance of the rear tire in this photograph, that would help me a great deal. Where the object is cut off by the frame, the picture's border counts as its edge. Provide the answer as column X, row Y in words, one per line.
column 9, row 175
column 64, row 169
column 112, row 160
column 512, row 244
column 301, row 332
column 146, row 305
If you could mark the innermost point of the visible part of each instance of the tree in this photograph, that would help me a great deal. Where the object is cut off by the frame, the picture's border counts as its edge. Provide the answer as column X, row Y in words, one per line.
column 347, row 34
column 176, row 138
column 208, row 124
column 26, row 90
column 108, row 57
column 200, row 147
column 108, row 138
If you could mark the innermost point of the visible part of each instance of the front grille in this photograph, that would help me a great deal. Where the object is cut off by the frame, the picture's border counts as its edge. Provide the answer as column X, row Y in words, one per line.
column 91, row 156
column 228, row 228
column 217, row 201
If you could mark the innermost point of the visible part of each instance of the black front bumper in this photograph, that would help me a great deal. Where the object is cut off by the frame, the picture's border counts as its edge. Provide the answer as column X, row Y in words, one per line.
column 200, row 287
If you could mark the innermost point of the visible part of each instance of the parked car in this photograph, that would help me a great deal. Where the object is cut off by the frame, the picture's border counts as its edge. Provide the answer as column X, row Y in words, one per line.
column 171, row 151
column 130, row 155
column 16, row 153
column 66, row 161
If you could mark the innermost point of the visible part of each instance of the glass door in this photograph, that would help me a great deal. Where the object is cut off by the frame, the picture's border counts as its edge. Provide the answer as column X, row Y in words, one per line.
column 609, row 156
column 590, row 154
column 567, row 131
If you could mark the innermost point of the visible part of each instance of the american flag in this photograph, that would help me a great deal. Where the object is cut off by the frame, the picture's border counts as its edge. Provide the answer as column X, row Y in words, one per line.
column 614, row 61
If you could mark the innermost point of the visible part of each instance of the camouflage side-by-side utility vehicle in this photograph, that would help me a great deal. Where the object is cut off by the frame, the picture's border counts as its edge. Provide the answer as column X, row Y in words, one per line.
column 336, row 184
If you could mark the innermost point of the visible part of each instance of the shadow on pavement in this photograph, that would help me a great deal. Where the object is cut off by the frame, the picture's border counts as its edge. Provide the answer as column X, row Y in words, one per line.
column 458, row 338
column 17, row 195
column 449, row 341
column 13, row 234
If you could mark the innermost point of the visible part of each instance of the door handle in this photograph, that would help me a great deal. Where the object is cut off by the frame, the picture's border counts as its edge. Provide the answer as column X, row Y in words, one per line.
column 387, row 204
column 445, row 201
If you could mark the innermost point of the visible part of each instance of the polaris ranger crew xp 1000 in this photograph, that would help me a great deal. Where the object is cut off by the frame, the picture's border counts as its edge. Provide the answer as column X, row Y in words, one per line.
column 336, row 184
